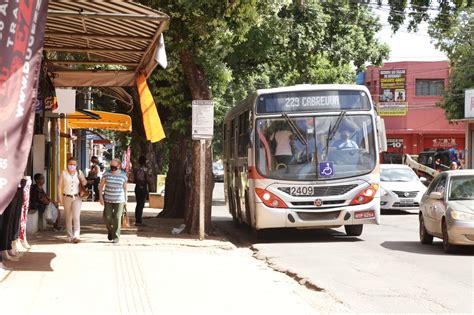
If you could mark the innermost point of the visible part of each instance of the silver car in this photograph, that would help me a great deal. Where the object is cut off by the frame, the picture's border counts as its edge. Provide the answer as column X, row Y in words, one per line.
column 447, row 210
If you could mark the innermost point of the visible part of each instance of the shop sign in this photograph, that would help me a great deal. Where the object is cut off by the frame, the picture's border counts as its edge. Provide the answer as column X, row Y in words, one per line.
column 443, row 143
column 395, row 145
column 392, row 93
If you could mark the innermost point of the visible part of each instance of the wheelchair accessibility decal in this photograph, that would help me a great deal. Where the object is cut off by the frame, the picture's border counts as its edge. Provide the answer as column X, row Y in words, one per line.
column 326, row 169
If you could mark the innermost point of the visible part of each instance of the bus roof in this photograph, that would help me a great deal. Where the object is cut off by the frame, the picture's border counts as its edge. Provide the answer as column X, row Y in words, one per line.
column 313, row 87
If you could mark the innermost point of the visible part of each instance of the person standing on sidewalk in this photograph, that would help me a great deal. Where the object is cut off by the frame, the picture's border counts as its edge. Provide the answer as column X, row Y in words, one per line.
column 113, row 196
column 141, row 180
column 68, row 192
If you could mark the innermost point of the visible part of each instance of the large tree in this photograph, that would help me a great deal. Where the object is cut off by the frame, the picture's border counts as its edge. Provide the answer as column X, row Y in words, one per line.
column 221, row 50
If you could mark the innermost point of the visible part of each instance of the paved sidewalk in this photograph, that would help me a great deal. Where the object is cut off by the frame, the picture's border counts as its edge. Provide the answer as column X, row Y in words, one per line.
column 151, row 271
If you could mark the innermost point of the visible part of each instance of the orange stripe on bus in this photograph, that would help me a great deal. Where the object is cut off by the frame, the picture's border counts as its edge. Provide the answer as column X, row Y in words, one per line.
column 253, row 173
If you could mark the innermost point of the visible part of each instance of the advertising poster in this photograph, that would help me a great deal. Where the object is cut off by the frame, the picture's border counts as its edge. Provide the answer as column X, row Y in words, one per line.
column 395, row 145
column 22, row 26
column 392, row 93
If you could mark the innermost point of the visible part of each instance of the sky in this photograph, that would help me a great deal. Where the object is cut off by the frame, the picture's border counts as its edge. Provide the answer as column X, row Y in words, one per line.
column 405, row 46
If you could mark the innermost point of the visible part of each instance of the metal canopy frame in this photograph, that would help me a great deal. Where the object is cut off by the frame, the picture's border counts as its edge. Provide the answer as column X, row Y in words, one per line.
column 91, row 36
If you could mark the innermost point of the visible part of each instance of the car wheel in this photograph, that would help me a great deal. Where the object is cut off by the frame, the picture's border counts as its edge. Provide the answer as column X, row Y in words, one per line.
column 425, row 237
column 448, row 247
column 354, row 230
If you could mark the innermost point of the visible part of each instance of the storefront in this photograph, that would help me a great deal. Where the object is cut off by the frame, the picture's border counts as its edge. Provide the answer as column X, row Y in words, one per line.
column 406, row 95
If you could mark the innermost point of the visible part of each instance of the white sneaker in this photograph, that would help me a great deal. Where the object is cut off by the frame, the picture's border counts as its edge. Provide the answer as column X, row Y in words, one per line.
column 25, row 244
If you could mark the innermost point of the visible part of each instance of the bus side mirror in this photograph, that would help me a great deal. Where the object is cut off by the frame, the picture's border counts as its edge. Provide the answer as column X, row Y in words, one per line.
column 381, row 134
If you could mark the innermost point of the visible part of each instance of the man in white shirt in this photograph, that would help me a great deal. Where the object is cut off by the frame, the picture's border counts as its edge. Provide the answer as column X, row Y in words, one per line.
column 345, row 143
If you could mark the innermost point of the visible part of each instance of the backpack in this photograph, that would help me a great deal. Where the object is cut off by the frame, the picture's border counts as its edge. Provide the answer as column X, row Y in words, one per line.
column 139, row 175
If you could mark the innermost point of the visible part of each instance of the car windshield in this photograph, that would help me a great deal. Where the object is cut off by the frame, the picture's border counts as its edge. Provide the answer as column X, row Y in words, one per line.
column 315, row 148
column 397, row 175
column 462, row 188
column 217, row 167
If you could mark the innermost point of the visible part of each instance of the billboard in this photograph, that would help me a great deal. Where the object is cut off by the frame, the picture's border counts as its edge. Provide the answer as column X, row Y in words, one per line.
column 392, row 93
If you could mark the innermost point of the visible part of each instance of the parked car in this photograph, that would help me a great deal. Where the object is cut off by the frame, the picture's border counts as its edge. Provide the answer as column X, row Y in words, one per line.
column 218, row 171
column 447, row 210
column 400, row 188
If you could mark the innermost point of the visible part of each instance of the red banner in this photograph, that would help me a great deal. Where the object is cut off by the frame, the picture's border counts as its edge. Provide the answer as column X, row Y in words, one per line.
column 22, row 25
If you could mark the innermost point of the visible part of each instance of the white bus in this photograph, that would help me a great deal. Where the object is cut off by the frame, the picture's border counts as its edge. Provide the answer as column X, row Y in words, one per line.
column 304, row 156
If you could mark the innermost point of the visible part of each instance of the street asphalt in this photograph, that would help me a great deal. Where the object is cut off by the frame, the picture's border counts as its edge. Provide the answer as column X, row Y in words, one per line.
column 384, row 270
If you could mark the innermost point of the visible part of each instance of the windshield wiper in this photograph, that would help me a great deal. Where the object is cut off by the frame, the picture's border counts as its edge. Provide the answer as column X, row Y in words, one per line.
column 295, row 129
column 332, row 131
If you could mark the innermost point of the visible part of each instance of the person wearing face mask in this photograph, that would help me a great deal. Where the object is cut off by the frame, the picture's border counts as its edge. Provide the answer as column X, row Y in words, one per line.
column 68, row 192
column 113, row 196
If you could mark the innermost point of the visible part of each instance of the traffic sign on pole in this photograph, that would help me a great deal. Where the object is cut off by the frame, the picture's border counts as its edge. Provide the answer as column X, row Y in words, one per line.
column 202, row 130
column 203, row 119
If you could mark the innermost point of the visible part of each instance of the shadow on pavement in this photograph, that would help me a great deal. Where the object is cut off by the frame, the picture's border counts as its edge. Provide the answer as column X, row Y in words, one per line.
column 244, row 236
column 399, row 212
column 418, row 248
column 93, row 229
column 42, row 262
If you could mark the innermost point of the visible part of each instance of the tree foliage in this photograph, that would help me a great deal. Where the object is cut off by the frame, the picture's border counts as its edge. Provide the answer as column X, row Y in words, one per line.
column 225, row 49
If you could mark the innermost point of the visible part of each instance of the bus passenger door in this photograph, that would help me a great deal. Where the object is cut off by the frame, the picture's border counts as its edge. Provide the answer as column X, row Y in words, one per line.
column 242, row 150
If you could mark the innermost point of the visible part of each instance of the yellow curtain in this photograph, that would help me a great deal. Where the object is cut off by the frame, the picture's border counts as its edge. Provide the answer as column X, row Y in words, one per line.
column 151, row 121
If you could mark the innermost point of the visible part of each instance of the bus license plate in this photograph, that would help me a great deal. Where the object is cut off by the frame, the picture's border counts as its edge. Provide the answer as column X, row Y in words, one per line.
column 302, row 191
column 364, row 214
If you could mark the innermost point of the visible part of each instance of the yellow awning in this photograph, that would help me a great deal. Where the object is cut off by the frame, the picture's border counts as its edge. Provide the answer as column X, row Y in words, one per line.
column 100, row 120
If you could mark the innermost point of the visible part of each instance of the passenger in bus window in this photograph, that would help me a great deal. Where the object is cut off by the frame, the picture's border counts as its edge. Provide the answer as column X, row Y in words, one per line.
column 283, row 138
column 345, row 143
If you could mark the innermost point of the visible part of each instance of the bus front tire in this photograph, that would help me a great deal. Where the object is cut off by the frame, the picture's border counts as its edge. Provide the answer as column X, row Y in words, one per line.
column 354, row 230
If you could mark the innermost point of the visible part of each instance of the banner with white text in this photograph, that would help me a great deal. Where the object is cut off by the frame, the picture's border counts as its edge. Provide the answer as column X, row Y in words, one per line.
column 22, row 25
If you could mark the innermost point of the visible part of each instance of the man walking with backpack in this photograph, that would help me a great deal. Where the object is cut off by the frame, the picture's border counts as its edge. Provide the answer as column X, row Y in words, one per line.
column 141, row 180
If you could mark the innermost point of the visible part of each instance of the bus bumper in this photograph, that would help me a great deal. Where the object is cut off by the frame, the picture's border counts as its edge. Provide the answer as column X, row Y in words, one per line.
column 267, row 217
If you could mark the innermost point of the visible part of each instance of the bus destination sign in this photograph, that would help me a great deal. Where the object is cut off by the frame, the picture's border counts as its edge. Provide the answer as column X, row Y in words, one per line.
column 309, row 101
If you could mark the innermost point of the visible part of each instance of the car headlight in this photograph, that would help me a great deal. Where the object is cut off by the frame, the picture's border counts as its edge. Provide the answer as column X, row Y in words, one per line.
column 383, row 192
column 462, row 216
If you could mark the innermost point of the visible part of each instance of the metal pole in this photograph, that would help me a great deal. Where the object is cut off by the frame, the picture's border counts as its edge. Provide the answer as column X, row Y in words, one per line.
column 202, row 183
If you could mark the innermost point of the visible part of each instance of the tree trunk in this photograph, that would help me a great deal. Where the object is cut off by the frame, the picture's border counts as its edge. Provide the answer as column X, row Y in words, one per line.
column 200, row 90
column 176, row 190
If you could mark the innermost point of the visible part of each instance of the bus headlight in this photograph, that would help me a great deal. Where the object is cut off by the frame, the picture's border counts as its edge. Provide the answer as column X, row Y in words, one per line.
column 270, row 199
column 366, row 195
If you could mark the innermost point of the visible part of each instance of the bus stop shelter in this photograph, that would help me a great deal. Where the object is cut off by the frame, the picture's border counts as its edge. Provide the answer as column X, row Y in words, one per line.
column 98, row 44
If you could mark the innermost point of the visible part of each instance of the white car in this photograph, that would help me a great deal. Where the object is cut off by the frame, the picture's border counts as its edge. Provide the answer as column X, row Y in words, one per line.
column 400, row 188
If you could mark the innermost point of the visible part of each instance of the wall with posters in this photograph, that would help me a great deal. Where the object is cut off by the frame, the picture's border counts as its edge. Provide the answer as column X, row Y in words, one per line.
column 415, row 119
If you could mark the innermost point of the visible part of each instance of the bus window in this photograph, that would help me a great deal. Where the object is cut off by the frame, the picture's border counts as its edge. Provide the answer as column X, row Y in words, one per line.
column 293, row 148
column 243, row 134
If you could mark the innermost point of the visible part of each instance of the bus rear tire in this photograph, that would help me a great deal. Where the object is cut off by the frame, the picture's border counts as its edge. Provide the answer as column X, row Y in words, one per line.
column 354, row 230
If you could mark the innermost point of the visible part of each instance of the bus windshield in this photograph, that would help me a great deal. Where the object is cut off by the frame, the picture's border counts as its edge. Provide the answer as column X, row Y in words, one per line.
column 315, row 148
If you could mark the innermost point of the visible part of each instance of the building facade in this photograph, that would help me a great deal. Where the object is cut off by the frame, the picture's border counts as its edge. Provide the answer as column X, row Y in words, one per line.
column 406, row 94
